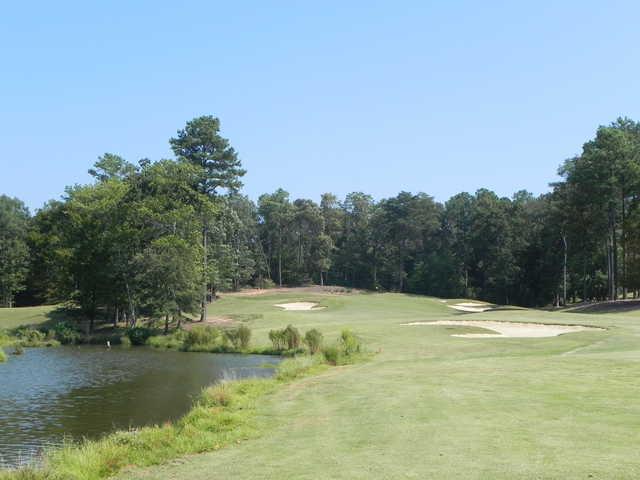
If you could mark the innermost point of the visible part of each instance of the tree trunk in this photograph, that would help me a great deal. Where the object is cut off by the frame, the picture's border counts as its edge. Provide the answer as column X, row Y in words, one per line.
column 203, row 306
column 564, row 271
column 166, row 324
column 279, row 267
column 115, row 318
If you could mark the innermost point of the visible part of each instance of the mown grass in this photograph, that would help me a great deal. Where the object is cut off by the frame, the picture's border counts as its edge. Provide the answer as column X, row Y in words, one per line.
column 31, row 316
column 429, row 405
column 224, row 414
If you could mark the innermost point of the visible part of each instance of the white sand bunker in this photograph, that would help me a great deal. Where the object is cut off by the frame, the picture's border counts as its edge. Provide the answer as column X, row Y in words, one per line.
column 510, row 329
column 473, row 307
column 299, row 306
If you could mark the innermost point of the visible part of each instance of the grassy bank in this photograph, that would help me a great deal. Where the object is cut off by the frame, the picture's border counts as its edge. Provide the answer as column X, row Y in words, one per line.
column 3, row 356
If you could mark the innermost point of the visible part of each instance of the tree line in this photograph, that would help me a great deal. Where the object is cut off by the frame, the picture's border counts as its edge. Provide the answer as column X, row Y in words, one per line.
column 162, row 238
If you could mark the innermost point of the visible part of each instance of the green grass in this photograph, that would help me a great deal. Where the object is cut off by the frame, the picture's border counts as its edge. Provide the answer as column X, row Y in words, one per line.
column 426, row 405
column 3, row 356
column 17, row 317
column 429, row 405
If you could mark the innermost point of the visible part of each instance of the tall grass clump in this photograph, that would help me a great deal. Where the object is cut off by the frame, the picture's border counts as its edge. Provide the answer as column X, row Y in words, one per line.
column 138, row 335
column 3, row 356
column 288, row 339
column 313, row 339
column 239, row 337
column 347, row 349
column 30, row 337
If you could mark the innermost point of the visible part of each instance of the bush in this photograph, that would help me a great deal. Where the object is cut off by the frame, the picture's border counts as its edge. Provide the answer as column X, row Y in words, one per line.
column 349, row 342
column 286, row 339
column 313, row 339
column 239, row 337
column 292, row 337
column 138, row 335
column 277, row 339
column 345, row 351
column 332, row 355
column 202, row 338
column 29, row 337
column 65, row 333
column 125, row 341
column 175, row 340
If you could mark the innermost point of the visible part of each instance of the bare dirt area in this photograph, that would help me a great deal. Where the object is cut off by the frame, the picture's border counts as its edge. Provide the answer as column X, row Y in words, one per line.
column 299, row 306
column 509, row 329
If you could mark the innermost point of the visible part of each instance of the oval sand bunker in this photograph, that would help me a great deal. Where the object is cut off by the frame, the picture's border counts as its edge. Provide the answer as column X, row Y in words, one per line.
column 299, row 306
column 510, row 329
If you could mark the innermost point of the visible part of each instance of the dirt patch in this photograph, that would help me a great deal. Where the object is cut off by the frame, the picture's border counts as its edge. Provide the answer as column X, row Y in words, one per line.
column 510, row 329
column 211, row 322
column 299, row 306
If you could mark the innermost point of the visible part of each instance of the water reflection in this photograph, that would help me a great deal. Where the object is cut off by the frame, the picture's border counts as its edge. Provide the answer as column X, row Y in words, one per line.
column 47, row 394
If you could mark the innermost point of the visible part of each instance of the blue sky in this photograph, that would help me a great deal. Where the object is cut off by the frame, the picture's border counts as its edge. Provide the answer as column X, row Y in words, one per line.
column 439, row 97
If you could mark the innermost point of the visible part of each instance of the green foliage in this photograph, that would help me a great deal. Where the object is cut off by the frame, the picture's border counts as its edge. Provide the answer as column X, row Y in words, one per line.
column 65, row 333
column 347, row 349
column 14, row 251
column 239, row 337
column 139, row 335
column 313, row 339
column 203, row 338
column 3, row 356
column 175, row 340
column 287, row 339
column 125, row 341
column 30, row 337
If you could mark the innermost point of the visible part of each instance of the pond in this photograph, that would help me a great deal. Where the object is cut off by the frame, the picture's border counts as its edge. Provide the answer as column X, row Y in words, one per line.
column 48, row 394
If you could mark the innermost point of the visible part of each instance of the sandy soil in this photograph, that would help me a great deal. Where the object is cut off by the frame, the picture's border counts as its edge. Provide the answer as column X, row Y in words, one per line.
column 472, row 307
column 299, row 306
column 509, row 329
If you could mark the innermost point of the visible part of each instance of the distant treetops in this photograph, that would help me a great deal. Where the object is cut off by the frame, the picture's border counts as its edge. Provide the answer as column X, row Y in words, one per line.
column 161, row 238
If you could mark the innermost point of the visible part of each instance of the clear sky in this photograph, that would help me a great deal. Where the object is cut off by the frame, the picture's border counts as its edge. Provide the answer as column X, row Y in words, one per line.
column 439, row 97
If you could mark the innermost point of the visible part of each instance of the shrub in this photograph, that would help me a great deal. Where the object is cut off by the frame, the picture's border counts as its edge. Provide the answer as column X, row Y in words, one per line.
column 313, row 339
column 175, row 340
column 65, row 333
column 332, row 355
column 29, row 337
column 125, row 341
column 277, row 339
column 202, row 338
column 138, row 335
column 349, row 343
column 292, row 337
column 239, row 337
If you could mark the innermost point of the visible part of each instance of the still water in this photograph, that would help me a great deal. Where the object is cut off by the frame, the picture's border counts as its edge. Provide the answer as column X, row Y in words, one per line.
column 48, row 394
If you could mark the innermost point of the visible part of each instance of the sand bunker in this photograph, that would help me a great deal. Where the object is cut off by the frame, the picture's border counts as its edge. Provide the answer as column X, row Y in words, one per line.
column 299, row 306
column 509, row 329
column 473, row 307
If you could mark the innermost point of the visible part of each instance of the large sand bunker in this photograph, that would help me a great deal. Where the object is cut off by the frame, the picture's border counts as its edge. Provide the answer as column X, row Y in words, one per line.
column 472, row 307
column 509, row 329
column 299, row 306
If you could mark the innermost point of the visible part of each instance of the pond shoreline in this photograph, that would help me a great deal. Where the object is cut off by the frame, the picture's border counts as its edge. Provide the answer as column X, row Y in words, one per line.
column 223, row 414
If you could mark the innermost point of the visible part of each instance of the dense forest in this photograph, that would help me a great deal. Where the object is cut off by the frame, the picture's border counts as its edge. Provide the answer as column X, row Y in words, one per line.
column 162, row 238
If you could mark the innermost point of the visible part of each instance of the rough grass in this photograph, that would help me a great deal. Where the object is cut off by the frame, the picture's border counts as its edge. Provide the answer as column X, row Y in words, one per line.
column 430, row 405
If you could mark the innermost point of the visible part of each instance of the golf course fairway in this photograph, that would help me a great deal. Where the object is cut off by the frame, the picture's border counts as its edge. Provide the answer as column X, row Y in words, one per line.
column 432, row 405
